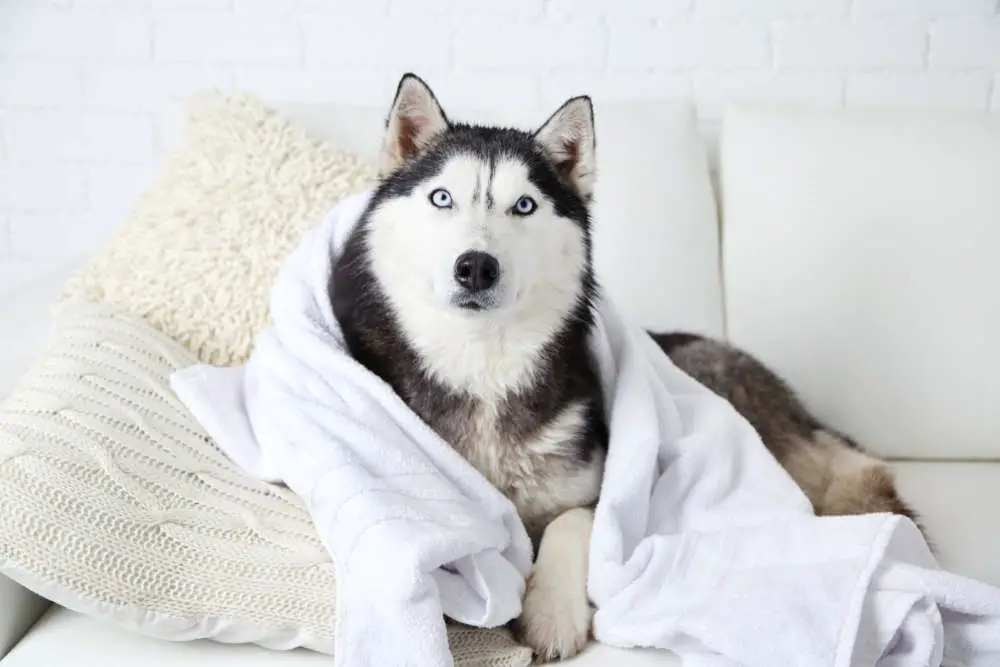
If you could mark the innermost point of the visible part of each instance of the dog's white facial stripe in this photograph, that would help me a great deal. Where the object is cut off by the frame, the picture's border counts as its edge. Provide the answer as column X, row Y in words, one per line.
column 482, row 191
column 510, row 176
column 542, row 259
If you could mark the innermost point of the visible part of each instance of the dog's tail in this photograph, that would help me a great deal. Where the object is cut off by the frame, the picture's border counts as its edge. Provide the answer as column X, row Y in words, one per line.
column 857, row 483
column 837, row 476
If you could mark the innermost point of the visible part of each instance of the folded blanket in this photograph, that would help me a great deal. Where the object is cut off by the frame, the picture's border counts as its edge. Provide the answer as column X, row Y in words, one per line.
column 701, row 543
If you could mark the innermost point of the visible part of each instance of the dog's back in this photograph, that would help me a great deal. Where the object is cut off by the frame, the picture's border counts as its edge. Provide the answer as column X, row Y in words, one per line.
column 836, row 475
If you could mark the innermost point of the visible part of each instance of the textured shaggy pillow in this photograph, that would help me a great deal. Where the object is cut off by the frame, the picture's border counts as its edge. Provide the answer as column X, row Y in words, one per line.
column 197, row 256
column 115, row 501
column 117, row 504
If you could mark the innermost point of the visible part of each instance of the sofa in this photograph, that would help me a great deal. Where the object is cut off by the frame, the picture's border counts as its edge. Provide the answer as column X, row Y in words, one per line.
column 852, row 251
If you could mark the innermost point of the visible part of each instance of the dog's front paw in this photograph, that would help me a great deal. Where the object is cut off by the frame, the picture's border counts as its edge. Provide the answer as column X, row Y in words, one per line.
column 555, row 618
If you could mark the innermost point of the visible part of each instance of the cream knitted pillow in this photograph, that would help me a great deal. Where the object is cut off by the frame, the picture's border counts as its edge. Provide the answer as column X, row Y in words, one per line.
column 118, row 505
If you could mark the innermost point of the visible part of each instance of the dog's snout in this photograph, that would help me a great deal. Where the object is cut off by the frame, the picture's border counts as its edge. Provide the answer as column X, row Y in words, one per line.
column 477, row 271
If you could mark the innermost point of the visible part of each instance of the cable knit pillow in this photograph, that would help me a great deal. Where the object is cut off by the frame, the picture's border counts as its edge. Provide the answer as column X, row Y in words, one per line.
column 118, row 505
column 115, row 501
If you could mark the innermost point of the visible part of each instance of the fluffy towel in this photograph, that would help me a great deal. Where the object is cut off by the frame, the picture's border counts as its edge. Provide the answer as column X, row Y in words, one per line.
column 701, row 544
column 415, row 530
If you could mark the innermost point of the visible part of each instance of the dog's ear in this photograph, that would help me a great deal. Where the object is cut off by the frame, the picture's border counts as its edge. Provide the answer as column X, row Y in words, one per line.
column 569, row 141
column 414, row 120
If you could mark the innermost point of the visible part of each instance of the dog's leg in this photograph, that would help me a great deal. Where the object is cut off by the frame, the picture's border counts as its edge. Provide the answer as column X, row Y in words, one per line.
column 555, row 620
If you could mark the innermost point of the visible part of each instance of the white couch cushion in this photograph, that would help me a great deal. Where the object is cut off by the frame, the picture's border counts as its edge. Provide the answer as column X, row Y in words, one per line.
column 656, row 245
column 859, row 261
column 69, row 639
column 957, row 503
column 19, row 608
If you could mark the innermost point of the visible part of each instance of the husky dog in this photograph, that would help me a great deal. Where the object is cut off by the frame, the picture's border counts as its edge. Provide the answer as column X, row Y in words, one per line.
column 467, row 286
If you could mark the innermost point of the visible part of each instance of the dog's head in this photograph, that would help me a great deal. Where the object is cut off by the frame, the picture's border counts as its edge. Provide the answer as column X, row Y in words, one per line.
column 483, row 222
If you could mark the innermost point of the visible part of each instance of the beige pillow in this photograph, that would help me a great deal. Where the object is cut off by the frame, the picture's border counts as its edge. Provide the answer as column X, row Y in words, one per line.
column 200, row 250
column 116, row 502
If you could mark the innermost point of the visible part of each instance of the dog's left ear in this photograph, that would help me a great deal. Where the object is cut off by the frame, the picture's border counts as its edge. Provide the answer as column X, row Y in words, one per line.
column 414, row 120
column 569, row 141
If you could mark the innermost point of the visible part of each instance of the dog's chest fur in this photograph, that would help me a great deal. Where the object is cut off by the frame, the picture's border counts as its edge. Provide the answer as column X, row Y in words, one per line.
column 541, row 461
column 542, row 444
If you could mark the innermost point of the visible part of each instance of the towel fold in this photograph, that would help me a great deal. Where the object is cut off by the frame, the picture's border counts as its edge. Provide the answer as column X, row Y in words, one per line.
column 701, row 545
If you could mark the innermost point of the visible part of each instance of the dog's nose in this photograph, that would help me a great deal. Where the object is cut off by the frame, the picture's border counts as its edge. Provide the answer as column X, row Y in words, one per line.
column 477, row 271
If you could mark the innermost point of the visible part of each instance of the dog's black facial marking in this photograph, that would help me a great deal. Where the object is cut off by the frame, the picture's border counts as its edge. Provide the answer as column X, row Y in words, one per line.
column 490, row 145
column 401, row 183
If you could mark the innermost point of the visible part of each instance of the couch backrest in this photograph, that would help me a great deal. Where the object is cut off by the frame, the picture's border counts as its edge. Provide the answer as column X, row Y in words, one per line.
column 862, row 260
column 655, row 229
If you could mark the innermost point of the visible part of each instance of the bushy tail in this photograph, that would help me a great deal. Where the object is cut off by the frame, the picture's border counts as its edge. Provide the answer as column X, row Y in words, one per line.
column 858, row 483
column 836, row 475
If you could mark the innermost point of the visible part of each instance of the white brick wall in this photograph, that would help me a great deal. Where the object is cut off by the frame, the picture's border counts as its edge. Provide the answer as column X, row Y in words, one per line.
column 89, row 88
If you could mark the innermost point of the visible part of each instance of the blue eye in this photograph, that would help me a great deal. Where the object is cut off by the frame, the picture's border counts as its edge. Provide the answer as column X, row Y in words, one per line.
column 524, row 206
column 440, row 198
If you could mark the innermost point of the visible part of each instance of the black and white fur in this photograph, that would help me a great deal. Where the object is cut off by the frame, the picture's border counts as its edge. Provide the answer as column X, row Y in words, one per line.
column 468, row 287
column 503, row 372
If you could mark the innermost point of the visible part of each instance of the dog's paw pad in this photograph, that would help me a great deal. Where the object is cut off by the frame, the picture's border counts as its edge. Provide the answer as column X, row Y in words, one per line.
column 554, row 623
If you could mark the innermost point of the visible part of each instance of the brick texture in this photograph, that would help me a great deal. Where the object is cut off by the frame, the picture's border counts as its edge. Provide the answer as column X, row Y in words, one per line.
column 89, row 89
column 769, row 10
column 966, row 43
column 924, row 9
column 91, row 35
column 958, row 90
column 224, row 37
column 693, row 45
column 879, row 45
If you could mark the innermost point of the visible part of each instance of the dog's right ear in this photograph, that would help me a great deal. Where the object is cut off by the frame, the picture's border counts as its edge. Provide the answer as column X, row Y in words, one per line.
column 414, row 120
column 568, row 139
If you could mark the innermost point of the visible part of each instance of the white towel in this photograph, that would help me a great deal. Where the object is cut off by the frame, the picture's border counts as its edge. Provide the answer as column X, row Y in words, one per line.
column 701, row 544
column 415, row 531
